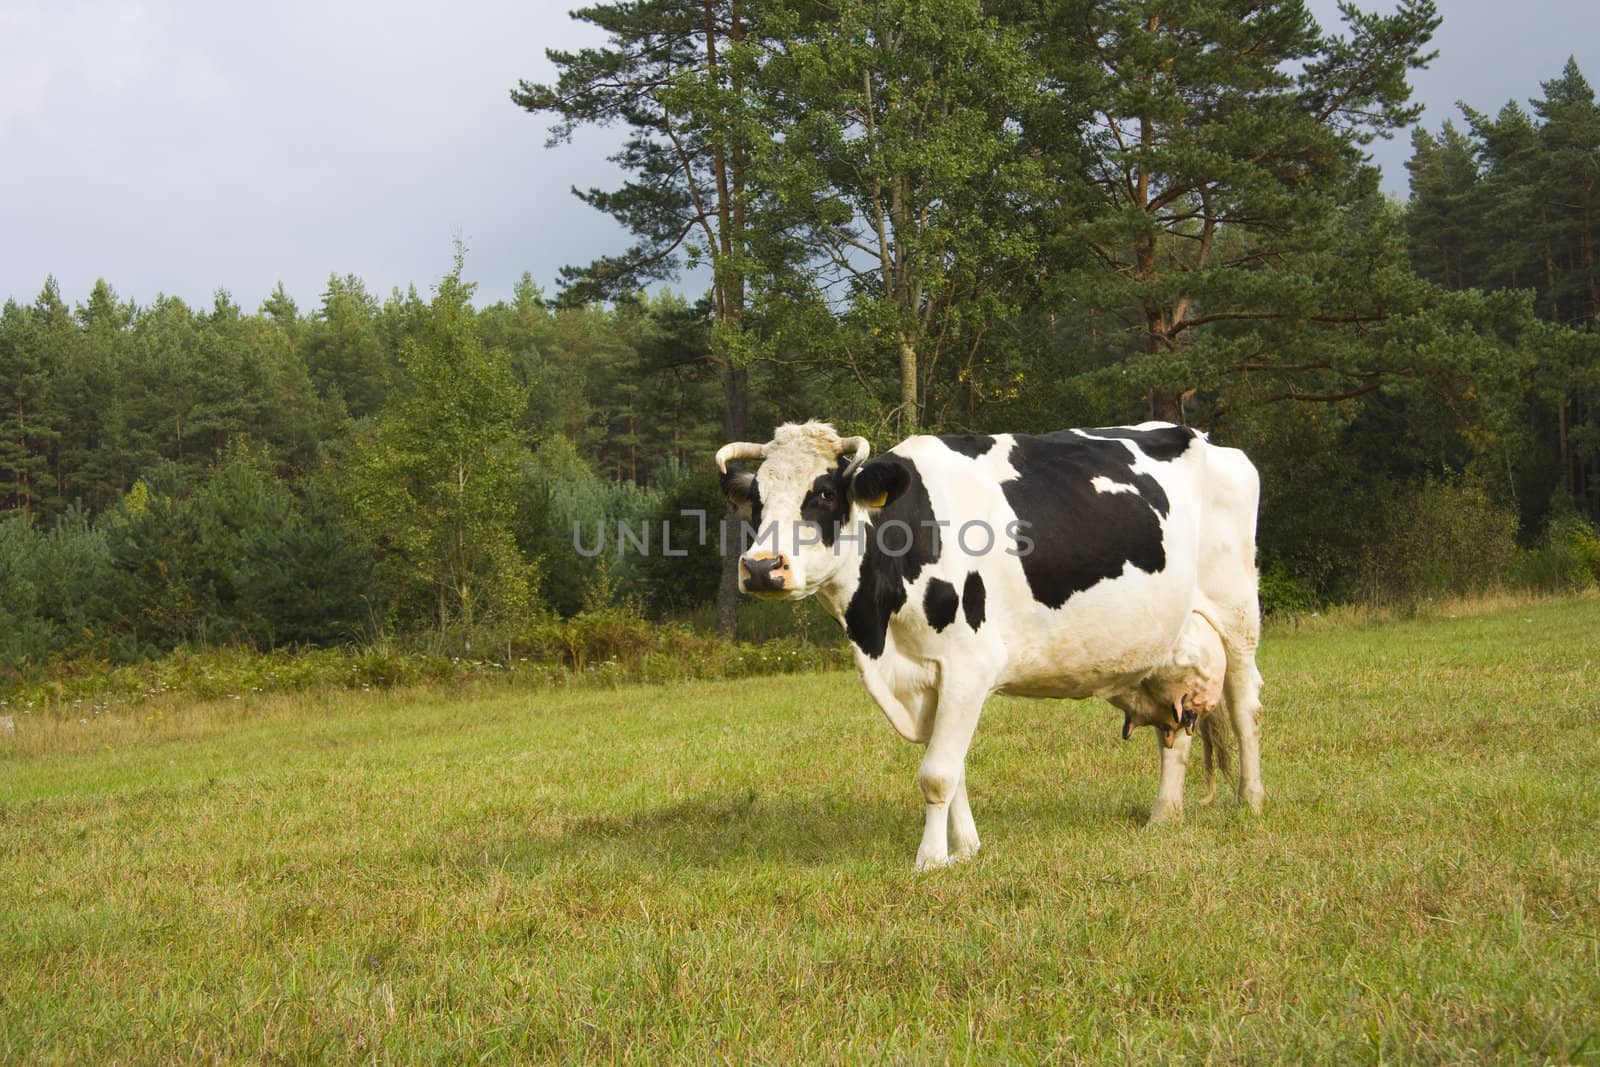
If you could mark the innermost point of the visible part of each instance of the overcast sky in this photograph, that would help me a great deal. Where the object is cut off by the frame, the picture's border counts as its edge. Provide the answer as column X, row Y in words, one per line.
column 180, row 146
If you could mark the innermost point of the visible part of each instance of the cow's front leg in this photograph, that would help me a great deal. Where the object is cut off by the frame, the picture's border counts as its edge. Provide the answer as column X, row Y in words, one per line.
column 1172, row 754
column 942, row 778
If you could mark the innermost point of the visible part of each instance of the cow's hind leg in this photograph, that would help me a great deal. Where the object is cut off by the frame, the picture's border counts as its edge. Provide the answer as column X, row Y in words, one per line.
column 964, row 842
column 1243, row 697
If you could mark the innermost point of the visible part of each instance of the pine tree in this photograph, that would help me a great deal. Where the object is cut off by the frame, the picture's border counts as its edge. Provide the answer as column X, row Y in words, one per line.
column 1442, row 218
column 673, row 72
column 35, row 343
column 1222, row 141
column 346, row 356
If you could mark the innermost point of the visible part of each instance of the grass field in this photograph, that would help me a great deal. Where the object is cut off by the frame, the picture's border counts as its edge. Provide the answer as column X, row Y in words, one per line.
column 723, row 872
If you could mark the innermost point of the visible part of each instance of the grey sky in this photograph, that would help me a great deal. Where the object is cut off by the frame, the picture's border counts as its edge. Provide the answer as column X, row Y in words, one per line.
column 180, row 146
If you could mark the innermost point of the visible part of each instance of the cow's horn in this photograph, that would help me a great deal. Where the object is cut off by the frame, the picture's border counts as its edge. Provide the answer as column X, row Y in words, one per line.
column 857, row 447
column 739, row 450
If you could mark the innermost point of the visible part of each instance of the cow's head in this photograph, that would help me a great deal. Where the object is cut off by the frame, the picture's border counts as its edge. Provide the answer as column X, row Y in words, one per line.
column 798, row 501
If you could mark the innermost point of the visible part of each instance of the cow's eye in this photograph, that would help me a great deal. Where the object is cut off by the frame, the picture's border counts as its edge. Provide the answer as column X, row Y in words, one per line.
column 824, row 496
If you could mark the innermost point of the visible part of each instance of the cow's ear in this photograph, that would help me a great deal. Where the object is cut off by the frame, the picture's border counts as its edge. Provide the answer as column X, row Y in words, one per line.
column 879, row 481
column 740, row 489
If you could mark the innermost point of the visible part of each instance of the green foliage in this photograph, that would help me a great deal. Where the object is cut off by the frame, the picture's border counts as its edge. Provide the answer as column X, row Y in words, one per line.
column 345, row 356
column 305, row 582
column 1283, row 592
column 690, row 511
column 1439, row 538
column 1222, row 143
column 234, row 558
column 892, row 180
column 1567, row 556
column 51, row 581
column 569, row 518
column 433, row 485
column 1512, row 203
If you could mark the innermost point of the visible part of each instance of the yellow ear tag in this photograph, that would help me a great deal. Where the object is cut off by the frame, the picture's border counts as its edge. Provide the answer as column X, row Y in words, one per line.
column 879, row 501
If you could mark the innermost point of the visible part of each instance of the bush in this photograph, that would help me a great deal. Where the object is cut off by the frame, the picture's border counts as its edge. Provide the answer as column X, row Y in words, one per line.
column 1566, row 557
column 52, row 583
column 1283, row 592
column 235, row 558
column 559, row 491
column 590, row 638
column 1437, row 539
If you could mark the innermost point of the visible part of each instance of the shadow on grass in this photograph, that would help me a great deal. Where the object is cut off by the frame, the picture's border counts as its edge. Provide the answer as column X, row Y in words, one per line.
column 750, row 827
column 720, row 828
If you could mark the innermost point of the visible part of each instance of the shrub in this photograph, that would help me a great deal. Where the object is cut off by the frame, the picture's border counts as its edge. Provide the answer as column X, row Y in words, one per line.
column 1436, row 539
column 1283, row 592
column 1566, row 557
column 51, row 582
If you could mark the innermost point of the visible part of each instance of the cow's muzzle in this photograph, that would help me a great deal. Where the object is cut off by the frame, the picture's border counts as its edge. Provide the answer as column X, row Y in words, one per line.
column 764, row 572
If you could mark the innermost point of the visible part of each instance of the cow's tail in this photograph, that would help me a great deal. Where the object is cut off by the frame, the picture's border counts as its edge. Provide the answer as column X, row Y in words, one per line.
column 1216, row 740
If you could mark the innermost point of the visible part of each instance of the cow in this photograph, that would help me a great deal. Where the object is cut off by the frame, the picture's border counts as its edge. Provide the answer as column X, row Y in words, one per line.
column 1116, row 563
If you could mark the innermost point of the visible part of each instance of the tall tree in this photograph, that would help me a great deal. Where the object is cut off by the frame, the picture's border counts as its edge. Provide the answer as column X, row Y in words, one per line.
column 93, row 466
column 892, row 172
column 1444, row 203
column 433, row 484
column 665, row 75
column 1523, row 215
column 1221, row 138
column 346, row 355
column 34, row 342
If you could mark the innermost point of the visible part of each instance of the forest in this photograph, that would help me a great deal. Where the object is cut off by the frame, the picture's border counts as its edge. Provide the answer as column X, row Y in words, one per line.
column 928, row 216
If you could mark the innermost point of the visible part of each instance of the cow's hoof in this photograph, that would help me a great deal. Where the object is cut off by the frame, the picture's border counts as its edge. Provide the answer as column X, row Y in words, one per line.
column 1253, row 798
column 963, row 853
column 928, row 861
column 1165, row 814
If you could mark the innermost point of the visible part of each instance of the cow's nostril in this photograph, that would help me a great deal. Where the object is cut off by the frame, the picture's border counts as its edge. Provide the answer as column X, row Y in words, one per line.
column 763, row 571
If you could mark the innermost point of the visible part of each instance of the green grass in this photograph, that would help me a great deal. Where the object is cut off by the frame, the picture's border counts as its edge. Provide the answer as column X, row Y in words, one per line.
column 722, row 871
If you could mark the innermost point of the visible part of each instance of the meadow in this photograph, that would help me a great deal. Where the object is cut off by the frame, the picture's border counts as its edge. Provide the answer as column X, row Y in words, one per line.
column 722, row 871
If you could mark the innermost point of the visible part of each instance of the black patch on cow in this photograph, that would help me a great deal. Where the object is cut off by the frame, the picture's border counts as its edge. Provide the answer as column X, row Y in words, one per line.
column 901, row 539
column 939, row 603
column 827, row 502
column 883, row 478
column 741, row 491
column 1164, row 444
column 736, row 486
column 972, row 596
column 968, row 444
column 1081, row 536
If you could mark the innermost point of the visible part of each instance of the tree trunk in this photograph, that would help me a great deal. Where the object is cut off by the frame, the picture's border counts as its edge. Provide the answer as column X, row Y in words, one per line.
column 735, row 426
column 910, row 417
column 1588, row 252
column 728, row 298
column 1566, row 451
column 728, row 580
column 1166, row 405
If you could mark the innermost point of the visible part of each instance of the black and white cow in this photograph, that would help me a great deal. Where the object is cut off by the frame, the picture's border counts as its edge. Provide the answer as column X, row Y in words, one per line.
column 1115, row 563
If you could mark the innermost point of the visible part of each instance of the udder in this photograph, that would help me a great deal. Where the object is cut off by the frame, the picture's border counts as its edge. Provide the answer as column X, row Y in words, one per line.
column 1186, row 686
